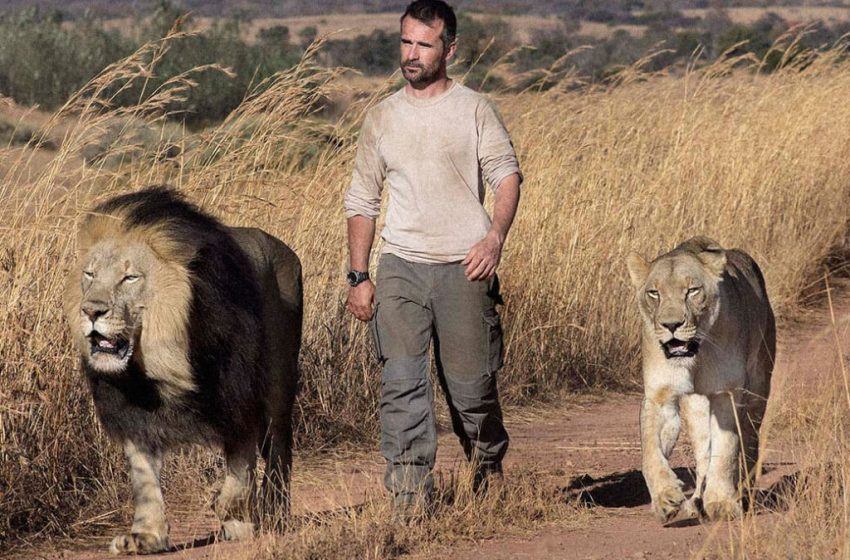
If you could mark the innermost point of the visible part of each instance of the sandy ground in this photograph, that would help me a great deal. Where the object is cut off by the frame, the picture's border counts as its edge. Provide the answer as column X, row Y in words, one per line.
column 587, row 450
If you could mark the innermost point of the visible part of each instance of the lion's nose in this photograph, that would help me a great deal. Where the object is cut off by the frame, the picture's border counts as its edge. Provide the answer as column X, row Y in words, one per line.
column 672, row 326
column 94, row 309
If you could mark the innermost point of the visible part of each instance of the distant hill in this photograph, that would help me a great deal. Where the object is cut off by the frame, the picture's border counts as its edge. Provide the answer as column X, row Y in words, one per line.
column 273, row 8
column 290, row 8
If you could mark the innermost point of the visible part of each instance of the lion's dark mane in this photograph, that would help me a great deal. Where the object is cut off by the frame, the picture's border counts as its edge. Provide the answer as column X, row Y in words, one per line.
column 226, row 338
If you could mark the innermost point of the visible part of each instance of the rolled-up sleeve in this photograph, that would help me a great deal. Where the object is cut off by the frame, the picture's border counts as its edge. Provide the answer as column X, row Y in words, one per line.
column 364, row 195
column 495, row 149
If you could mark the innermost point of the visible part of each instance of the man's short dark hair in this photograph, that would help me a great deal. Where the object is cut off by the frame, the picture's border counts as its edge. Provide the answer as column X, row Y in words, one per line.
column 427, row 11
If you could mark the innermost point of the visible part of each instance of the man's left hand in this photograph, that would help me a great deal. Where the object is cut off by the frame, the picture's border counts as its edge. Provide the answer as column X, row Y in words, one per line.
column 483, row 258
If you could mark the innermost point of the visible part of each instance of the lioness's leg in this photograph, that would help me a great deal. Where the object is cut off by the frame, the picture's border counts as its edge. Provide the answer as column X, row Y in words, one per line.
column 233, row 504
column 720, row 499
column 696, row 410
column 659, row 429
column 150, row 529
column 752, row 414
column 754, row 400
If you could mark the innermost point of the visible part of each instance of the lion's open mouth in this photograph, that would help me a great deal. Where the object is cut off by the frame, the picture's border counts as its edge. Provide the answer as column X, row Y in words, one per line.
column 117, row 346
column 675, row 348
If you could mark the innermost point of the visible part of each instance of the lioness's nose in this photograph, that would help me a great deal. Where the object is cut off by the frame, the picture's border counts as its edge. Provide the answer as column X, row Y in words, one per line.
column 94, row 309
column 672, row 326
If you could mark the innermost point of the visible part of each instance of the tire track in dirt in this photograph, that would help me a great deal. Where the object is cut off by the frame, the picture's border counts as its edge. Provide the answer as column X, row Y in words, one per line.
column 588, row 449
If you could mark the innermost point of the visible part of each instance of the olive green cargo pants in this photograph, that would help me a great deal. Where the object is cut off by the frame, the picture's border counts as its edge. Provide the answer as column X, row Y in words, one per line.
column 416, row 303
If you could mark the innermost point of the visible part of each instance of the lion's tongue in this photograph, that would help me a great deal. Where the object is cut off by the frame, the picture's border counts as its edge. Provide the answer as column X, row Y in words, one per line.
column 676, row 347
column 104, row 343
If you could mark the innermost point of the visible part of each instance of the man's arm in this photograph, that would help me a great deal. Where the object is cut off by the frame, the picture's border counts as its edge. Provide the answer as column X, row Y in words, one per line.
column 362, row 207
column 484, row 257
column 361, row 232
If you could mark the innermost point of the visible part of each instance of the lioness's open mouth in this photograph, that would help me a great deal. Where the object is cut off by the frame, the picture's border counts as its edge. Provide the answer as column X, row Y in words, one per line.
column 117, row 346
column 675, row 348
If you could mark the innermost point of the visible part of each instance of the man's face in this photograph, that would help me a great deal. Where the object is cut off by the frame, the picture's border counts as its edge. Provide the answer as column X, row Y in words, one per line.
column 422, row 51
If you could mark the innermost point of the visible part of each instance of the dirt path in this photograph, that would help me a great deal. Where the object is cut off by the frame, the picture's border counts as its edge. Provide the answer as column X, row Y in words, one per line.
column 589, row 449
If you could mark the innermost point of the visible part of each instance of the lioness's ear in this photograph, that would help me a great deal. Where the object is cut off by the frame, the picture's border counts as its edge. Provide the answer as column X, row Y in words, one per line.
column 714, row 260
column 638, row 269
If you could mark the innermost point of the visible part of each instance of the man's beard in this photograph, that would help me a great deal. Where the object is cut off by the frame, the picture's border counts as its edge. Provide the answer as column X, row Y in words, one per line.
column 420, row 74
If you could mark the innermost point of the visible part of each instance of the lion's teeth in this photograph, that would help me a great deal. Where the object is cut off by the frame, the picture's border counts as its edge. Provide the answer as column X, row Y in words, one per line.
column 105, row 344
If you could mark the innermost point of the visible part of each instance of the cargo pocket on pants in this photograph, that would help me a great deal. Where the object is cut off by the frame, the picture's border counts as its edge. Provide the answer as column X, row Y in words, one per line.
column 495, row 346
column 375, row 336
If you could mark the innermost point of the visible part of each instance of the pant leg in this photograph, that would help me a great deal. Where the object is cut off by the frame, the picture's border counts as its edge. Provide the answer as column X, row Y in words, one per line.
column 468, row 349
column 401, row 328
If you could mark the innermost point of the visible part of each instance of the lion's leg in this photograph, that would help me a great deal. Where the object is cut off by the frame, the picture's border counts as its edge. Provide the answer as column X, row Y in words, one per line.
column 278, row 454
column 697, row 414
column 720, row 499
column 233, row 504
column 150, row 529
column 659, row 423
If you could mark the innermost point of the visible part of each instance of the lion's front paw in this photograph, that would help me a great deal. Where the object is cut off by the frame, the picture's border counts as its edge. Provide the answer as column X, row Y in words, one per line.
column 723, row 510
column 692, row 508
column 666, row 504
column 139, row 543
column 233, row 530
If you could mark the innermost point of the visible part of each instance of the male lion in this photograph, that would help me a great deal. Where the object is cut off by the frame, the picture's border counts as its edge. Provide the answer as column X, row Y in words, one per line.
column 709, row 342
column 188, row 332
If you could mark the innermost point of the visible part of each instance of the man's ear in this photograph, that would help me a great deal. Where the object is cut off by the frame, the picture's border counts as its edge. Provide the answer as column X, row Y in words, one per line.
column 452, row 50
column 638, row 269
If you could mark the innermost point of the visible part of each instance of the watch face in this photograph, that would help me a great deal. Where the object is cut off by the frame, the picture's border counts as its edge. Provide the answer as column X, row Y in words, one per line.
column 354, row 277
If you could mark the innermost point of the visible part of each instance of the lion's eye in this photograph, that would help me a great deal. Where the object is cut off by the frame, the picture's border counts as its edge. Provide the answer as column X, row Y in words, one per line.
column 694, row 291
column 652, row 293
column 88, row 275
column 130, row 278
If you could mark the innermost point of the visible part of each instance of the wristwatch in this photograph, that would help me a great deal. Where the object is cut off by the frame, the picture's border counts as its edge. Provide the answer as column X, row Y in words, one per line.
column 355, row 277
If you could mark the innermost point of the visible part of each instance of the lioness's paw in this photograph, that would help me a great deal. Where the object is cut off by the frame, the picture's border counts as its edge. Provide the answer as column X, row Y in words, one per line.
column 139, row 543
column 723, row 510
column 233, row 530
column 667, row 503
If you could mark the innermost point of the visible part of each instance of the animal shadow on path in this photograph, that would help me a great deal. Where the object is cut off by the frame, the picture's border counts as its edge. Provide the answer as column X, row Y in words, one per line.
column 317, row 518
column 628, row 490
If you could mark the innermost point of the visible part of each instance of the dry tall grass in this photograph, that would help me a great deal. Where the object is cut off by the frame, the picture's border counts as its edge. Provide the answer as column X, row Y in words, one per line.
column 761, row 162
column 811, row 419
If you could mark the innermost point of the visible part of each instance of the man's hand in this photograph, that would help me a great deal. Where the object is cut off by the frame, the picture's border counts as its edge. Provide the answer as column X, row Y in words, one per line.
column 360, row 300
column 483, row 258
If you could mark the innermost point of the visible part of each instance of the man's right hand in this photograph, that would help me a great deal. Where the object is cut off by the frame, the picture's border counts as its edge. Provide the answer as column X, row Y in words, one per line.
column 360, row 300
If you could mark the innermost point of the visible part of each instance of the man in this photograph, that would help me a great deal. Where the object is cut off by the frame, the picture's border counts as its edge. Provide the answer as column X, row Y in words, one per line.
column 435, row 142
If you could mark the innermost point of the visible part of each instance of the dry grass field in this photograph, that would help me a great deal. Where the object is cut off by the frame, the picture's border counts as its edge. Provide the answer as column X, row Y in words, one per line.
column 760, row 162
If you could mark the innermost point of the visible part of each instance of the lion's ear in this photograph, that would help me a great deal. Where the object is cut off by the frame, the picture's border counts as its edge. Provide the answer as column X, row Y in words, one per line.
column 638, row 269
column 713, row 259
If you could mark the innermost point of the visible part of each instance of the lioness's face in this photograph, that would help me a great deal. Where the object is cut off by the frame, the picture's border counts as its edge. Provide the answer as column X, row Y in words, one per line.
column 114, row 285
column 678, row 300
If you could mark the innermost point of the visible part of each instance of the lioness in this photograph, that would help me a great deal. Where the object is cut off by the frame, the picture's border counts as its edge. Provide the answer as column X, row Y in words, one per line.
column 188, row 332
column 709, row 342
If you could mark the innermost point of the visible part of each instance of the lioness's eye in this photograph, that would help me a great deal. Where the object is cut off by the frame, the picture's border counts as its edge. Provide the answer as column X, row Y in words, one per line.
column 694, row 291
column 88, row 275
column 652, row 293
column 130, row 278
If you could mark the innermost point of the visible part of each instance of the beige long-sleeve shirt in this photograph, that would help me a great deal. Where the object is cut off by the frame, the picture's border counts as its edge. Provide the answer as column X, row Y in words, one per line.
column 435, row 155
